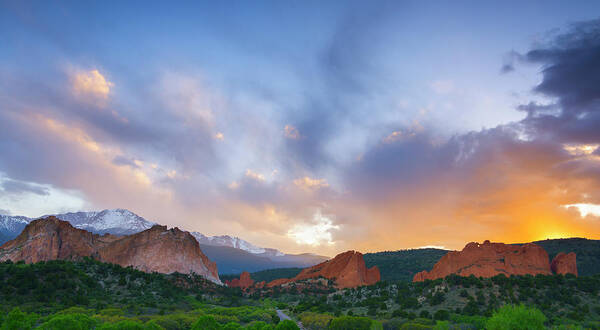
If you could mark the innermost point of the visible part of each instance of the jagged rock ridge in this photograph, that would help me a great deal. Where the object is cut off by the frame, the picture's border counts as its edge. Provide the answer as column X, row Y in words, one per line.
column 347, row 269
column 157, row 249
column 490, row 259
column 245, row 281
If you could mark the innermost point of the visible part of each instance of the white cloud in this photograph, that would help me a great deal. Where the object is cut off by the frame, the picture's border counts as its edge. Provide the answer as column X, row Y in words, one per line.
column 254, row 175
column 316, row 233
column 31, row 203
column 91, row 83
column 309, row 184
column 586, row 209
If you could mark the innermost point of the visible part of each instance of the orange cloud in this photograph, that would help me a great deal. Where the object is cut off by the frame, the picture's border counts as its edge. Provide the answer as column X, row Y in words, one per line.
column 309, row 184
column 291, row 132
column 91, row 83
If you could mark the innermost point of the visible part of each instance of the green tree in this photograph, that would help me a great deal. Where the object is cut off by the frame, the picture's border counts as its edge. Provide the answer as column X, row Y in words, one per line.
column 206, row 322
column 17, row 320
column 441, row 315
column 516, row 317
column 287, row 325
column 152, row 325
column 76, row 321
column 350, row 323
column 231, row 326
column 260, row 325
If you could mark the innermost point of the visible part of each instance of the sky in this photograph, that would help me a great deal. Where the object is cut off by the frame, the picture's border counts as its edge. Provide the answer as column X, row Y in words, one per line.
column 307, row 126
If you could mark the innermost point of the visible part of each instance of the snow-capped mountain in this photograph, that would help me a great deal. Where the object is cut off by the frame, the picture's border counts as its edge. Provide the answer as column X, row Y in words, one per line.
column 232, row 254
column 234, row 242
column 117, row 221
column 11, row 227
column 123, row 222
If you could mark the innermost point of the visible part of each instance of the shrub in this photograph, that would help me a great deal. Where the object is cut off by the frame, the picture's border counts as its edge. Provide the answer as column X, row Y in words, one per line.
column 231, row 326
column 350, row 323
column 206, row 322
column 516, row 317
column 123, row 325
column 442, row 325
column 442, row 315
column 16, row 320
column 259, row 325
column 415, row 326
column 287, row 325
column 69, row 321
column 315, row 320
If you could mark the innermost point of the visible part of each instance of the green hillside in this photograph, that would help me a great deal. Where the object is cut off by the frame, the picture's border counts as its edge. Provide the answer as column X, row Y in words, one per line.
column 587, row 250
column 267, row 275
column 402, row 265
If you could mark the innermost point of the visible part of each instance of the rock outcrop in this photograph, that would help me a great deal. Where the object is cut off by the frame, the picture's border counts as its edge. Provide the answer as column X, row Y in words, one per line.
column 490, row 259
column 161, row 250
column 157, row 249
column 50, row 239
column 564, row 263
column 347, row 269
column 244, row 282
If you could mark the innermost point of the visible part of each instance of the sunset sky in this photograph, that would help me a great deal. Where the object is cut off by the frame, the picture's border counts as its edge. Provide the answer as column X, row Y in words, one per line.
column 308, row 126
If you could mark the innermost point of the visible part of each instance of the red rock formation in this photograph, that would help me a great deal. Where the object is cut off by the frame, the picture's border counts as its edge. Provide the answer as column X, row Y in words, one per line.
column 490, row 259
column 162, row 250
column 245, row 281
column 156, row 249
column 51, row 238
column 564, row 264
column 348, row 269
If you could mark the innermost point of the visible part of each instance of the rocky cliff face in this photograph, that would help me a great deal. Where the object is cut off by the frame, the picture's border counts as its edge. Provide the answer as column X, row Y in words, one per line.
column 162, row 250
column 51, row 238
column 490, row 259
column 564, row 263
column 245, row 281
column 348, row 269
column 157, row 249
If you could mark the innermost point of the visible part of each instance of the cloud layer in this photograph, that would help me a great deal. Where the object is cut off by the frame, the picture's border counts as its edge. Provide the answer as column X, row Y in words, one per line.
column 315, row 155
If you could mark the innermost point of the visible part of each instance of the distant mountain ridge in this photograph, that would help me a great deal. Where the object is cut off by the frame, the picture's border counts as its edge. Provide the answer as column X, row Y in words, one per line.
column 157, row 249
column 121, row 222
column 232, row 254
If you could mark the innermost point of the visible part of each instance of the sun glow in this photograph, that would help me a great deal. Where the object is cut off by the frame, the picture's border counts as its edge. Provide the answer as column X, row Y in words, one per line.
column 314, row 234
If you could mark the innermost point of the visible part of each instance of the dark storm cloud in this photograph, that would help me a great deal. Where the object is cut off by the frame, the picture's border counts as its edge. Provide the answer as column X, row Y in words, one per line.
column 18, row 187
column 506, row 177
column 570, row 75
